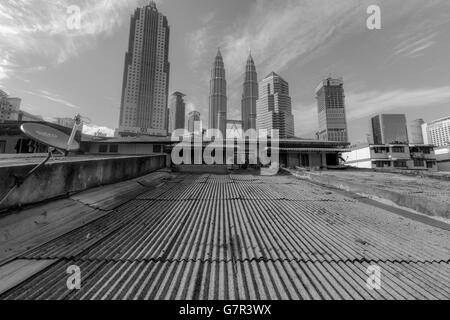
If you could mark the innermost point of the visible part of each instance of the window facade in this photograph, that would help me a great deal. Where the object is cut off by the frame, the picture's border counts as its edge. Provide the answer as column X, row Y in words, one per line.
column 103, row 148
column 400, row 164
column 398, row 149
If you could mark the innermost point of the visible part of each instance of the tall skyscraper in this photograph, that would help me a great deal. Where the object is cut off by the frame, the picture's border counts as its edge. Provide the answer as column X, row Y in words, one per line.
column 194, row 120
column 177, row 112
column 170, row 121
column 331, row 106
column 415, row 135
column 437, row 132
column 146, row 75
column 218, row 96
column 249, row 96
column 274, row 106
column 390, row 128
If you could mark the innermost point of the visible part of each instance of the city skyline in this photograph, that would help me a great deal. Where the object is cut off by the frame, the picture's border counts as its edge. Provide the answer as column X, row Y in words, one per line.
column 402, row 69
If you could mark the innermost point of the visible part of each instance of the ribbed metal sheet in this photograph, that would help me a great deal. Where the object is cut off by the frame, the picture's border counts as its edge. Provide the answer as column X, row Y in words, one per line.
column 218, row 230
column 198, row 280
column 110, row 197
column 245, row 237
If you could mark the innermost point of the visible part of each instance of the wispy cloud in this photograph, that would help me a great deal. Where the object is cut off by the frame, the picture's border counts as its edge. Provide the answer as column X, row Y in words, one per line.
column 421, row 29
column 277, row 32
column 53, row 97
column 207, row 18
column 415, row 46
column 363, row 104
column 38, row 29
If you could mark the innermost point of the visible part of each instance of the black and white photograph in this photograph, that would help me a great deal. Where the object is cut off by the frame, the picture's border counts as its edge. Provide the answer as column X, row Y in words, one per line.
column 225, row 156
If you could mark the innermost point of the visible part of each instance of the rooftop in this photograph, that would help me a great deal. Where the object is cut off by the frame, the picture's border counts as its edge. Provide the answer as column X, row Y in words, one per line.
column 236, row 236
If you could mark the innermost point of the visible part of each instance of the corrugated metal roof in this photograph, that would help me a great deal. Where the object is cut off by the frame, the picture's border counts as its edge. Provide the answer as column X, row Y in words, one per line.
column 244, row 237
column 197, row 280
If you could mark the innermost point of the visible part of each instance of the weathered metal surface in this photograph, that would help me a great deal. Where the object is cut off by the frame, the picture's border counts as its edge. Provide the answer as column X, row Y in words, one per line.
column 244, row 237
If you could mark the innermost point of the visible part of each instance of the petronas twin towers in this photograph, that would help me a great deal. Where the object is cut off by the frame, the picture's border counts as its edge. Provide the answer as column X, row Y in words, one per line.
column 249, row 96
column 218, row 96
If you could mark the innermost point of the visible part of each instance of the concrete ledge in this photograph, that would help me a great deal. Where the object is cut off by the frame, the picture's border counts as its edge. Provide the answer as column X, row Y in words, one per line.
column 22, row 230
column 411, row 173
column 429, row 207
column 62, row 178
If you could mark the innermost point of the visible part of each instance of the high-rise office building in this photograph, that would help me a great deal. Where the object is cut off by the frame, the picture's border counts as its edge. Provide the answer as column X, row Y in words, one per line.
column 389, row 129
column 249, row 96
column 146, row 75
column 68, row 123
column 274, row 106
column 218, row 96
column 437, row 132
column 177, row 108
column 415, row 135
column 193, row 121
column 331, row 106
column 170, row 121
column 9, row 107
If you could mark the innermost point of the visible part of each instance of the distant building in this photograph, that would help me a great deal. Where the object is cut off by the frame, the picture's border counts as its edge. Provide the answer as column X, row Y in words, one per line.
column 177, row 108
column 274, row 106
column 331, row 107
column 415, row 134
column 9, row 107
column 142, row 145
column 443, row 158
column 235, row 129
column 390, row 129
column 218, row 96
column 392, row 156
column 194, row 118
column 437, row 132
column 145, row 87
column 68, row 123
column 170, row 121
column 249, row 96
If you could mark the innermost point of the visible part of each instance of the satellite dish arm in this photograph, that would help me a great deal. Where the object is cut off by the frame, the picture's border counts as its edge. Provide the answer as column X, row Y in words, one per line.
column 20, row 180
column 76, row 126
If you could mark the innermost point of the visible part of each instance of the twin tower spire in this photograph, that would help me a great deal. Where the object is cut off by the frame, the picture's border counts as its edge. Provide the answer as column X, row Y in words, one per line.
column 218, row 95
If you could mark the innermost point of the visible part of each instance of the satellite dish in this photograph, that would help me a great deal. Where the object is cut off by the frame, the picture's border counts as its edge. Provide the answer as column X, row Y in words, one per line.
column 49, row 136
column 52, row 138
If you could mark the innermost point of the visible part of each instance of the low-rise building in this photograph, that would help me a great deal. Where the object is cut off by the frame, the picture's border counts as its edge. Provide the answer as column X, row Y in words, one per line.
column 14, row 141
column 392, row 156
column 124, row 146
column 9, row 107
column 437, row 132
column 443, row 158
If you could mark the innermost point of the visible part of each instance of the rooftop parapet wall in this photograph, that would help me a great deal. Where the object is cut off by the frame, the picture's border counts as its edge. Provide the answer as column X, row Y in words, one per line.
column 62, row 178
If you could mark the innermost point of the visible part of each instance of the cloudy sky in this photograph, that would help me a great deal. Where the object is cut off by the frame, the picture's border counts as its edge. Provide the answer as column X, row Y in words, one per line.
column 403, row 68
